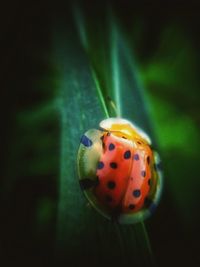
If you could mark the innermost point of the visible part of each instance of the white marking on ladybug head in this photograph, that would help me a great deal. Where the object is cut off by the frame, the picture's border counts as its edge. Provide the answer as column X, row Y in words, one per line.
column 108, row 123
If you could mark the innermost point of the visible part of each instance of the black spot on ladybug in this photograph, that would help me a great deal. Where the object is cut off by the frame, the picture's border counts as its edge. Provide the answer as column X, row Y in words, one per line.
column 131, row 206
column 124, row 137
column 131, row 178
column 86, row 141
column 136, row 193
column 149, row 182
column 108, row 198
column 143, row 173
column 127, row 154
column 102, row 139
column 113, row 165
column 136, row 157
column 88, row 183
column 111, row 146
column 100, row 165
column 148, row 159
column 111, row 184
column 139, row 142
column 103, row 145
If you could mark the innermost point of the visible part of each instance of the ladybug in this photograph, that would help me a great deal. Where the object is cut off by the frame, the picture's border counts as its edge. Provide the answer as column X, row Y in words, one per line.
column 119, row 172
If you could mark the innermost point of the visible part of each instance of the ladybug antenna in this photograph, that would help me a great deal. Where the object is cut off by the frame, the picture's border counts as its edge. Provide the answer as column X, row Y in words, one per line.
column 113, row 106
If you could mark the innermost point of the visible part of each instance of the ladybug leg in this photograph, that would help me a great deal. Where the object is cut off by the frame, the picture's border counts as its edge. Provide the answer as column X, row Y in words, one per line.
column 113, row 106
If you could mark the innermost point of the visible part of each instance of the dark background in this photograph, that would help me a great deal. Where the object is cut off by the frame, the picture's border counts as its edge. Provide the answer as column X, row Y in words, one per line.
column 31, row 125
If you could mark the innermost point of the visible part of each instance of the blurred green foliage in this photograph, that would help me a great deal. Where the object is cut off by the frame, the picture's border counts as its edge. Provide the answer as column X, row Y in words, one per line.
column 172, row 80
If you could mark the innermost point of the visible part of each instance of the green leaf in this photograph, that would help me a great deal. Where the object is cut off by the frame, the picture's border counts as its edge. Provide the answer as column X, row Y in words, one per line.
column 92, row 88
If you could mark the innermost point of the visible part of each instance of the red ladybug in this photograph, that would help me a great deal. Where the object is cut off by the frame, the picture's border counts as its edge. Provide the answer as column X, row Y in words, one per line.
column 119, row 172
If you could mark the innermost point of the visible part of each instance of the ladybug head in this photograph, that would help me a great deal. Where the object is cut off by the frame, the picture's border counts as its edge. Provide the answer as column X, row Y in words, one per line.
column 124, row 129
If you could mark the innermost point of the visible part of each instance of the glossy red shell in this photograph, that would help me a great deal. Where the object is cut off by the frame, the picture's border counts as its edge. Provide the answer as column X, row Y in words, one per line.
column 123, row 173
